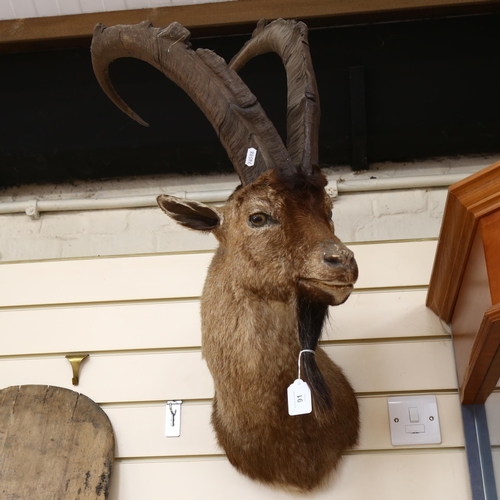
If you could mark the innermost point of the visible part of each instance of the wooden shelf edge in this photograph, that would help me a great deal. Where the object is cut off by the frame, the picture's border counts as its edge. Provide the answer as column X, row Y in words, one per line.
column 17, row 34
column 483, row 371
column 468, row 200
column 480, row 192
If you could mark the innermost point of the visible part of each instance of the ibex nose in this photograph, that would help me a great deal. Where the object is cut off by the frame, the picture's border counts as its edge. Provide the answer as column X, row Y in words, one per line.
column 336, row 254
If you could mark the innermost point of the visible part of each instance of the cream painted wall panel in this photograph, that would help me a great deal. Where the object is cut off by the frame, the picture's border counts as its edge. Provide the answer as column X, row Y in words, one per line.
column 7, row 10
column 375, row 431
column 397, row 367
column 394, row 264
column 114, row 4
column 178, row 276
column 47, row 7
column 137, row 4
column 92, row 5
column 384, row 314
column 375, row 476
column 117, row 378
column 386, row 341
column 25, row 8
column 101, row 327
column 68, row 7
column 175, row 324
column 371, row 368
column 496, row 466
column 109, row 279
column 160, row 3
column 492, row 407
column 139, row 430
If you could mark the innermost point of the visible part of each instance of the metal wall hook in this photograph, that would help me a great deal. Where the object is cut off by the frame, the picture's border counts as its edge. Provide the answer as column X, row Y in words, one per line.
column 75, row 361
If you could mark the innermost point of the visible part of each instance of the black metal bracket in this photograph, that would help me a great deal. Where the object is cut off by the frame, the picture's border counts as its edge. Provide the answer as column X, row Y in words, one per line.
column 478, row 448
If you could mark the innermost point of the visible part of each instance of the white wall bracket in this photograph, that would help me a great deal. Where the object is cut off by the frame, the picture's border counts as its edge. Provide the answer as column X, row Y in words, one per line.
column 173, row 419
column 32, row 210
column 414, row 420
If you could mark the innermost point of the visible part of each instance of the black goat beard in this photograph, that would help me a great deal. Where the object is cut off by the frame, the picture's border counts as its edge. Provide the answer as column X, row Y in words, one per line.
column 311, row 318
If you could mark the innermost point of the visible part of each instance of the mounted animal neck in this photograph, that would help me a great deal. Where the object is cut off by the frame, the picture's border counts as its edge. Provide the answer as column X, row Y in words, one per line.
column 279, row 264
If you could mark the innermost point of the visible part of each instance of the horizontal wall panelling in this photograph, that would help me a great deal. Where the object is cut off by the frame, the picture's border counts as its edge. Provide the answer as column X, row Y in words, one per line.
column 140, row 429
column 492, row 406
column 176, row 324
column 377, row 476
column 182, row 275
column 371, row 367
column 138, row 317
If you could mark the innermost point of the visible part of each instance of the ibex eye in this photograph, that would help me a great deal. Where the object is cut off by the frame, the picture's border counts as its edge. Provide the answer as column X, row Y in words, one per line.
column 258, row 220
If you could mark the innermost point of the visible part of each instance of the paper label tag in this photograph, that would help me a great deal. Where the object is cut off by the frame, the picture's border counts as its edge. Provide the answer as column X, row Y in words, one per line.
column 250, row 159
column 299, row 398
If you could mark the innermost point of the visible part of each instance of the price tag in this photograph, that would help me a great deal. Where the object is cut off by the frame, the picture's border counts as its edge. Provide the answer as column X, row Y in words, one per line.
column 250, row 159
column 299, row 398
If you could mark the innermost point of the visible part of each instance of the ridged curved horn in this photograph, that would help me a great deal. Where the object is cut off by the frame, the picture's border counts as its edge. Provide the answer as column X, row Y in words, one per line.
column 289, row 40
column 218, row 91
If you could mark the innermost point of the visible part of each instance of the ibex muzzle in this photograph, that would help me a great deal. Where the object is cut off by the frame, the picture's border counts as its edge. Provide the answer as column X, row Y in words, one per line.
column 336, row 254
column 279, row 264
column 341, row 259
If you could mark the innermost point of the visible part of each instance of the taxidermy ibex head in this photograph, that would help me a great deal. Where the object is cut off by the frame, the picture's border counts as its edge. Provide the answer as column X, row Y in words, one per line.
column 279, row 264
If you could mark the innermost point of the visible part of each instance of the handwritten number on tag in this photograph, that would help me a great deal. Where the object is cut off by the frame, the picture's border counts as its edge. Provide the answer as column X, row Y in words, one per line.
column 299, row 398
column 250, row 159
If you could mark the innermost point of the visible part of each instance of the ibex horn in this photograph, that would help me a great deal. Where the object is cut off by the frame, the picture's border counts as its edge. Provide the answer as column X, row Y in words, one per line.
column 217, row 90
column 289, row 40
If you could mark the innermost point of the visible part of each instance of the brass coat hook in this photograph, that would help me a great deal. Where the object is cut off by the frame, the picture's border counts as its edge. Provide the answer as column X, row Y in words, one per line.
column 75, row 361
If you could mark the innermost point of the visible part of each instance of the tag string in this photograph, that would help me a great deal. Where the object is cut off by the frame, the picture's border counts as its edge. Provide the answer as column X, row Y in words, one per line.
column 300, row 354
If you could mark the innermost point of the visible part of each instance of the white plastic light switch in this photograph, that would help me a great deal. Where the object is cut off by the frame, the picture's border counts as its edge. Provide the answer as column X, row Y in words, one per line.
column 413, row 414
column 173, row 419
column 414, row 420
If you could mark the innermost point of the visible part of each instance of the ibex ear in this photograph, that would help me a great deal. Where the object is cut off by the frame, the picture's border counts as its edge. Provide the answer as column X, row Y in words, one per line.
column 190, row 214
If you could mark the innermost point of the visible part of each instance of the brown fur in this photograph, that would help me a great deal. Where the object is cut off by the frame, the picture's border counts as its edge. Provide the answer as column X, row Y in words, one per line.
column 250, row 331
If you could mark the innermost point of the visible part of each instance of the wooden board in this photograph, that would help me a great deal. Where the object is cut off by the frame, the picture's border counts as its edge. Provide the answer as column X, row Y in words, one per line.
column 472, row 301
column 490, row 231
column 463, row 283
column 483, row 371
column 468, row 201
column 54, row 444
column 211, row 18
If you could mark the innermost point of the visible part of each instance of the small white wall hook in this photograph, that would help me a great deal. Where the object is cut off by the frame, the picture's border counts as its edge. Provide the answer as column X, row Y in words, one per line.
column 173, row 418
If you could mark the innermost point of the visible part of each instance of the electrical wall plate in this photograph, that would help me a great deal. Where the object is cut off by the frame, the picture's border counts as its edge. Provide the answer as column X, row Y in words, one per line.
column 414, row 420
